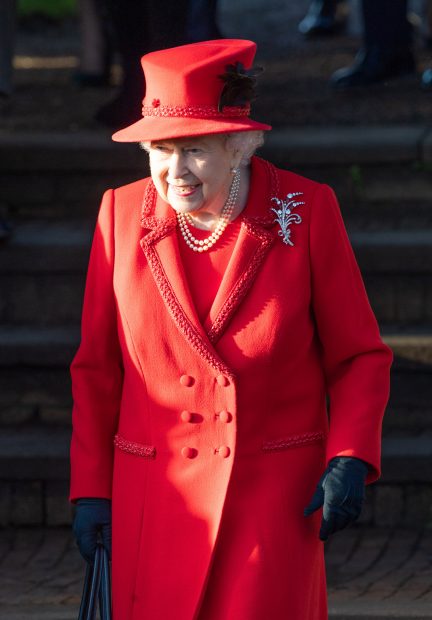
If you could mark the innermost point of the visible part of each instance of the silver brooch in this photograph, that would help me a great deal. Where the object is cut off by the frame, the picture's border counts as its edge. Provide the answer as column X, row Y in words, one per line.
column 285, row 216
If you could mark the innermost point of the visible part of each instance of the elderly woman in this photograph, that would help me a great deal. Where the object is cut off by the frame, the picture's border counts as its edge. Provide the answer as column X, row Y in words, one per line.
column 231, row 379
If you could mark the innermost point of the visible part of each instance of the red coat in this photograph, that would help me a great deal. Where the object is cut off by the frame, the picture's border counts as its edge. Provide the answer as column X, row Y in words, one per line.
column 221, row 429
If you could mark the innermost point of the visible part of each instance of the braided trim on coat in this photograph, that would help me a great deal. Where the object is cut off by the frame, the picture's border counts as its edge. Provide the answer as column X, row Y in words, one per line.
column 294, row 441
column 148, row 202
column 181, row 320
column 245, row 282
column 132, row 447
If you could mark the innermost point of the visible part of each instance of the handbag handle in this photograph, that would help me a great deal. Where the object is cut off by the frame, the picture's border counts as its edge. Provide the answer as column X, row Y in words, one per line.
column 97, row 588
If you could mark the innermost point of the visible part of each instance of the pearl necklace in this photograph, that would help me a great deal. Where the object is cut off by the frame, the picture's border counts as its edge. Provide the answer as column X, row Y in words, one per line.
column 203, row 245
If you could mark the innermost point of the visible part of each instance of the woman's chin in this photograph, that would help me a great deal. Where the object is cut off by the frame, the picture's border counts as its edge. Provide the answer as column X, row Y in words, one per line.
column 184, row 204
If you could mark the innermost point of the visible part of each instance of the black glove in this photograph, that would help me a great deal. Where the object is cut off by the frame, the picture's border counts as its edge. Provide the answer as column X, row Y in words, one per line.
column 341, row 493
column 92, row 517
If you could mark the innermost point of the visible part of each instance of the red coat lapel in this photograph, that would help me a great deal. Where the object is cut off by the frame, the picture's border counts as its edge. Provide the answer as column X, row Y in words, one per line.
column 160, row 247
column 253, row 242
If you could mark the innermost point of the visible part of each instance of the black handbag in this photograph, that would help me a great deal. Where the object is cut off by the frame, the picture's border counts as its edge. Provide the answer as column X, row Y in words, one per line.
column 97, row 588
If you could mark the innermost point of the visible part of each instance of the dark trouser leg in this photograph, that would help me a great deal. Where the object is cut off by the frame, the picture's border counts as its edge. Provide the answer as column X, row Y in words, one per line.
column 386, row 25
column 387, row 46
column 140, row 27
column 201, row 22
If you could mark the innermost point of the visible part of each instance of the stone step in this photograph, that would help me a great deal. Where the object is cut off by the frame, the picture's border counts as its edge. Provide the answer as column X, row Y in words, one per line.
column 35, row 384
column 42, row 453
column 34, row 472
column 42, row 395
column 53, row 346
column 380, row 174
column 47, row 247
column 40, row 347
column 43, row 266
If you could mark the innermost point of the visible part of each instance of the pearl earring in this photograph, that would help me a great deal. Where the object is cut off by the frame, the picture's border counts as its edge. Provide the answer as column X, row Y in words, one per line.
column 233, row 170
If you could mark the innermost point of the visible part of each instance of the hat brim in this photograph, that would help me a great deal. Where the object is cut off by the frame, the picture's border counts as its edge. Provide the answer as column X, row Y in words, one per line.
column 152, row 128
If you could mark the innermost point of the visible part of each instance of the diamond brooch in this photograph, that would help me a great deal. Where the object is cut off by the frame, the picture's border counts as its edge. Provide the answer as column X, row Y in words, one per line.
column 285, row 216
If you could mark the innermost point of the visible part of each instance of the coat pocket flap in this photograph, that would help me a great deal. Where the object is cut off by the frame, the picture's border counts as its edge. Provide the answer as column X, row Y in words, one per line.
column 294, row 441
column 133, row 447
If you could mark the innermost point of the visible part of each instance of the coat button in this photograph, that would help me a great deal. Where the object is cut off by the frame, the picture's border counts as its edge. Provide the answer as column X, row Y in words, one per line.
column 189, row 453
column 224, row 452
column 222, row 380
column 186, row 416
column 186, row 380
column 225, row 416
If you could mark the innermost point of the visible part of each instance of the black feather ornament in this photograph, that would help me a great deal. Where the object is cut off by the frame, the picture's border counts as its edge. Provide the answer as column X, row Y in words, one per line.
column 239, row 88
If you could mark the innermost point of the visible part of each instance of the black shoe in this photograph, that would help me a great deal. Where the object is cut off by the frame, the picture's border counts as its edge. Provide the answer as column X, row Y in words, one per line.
column 373, row 65
column 323, row 18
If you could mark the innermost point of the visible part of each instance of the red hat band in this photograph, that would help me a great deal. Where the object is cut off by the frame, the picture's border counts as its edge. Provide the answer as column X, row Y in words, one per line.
column 185, row 89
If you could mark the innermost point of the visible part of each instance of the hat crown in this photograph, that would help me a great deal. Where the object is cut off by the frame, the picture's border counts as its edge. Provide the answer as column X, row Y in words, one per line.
column 190, row 75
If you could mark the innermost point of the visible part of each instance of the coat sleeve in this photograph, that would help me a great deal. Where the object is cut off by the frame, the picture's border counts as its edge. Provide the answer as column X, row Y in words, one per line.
column 96, row 370
column 356, row 362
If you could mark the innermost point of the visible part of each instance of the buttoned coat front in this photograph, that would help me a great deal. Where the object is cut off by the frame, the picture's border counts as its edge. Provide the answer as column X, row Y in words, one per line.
column 210, row 437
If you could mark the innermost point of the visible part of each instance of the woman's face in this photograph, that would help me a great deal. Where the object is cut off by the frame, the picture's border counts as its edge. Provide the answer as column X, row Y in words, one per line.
column 193, row 174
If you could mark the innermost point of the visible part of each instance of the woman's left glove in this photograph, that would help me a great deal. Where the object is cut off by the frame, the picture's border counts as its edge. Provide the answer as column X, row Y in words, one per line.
column 92, row 519
column 340, row 492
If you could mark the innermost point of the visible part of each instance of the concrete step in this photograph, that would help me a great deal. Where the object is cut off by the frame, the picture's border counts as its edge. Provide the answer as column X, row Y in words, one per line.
column 43, row 266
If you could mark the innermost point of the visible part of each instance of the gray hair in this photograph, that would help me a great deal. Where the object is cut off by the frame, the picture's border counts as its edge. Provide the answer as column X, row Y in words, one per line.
column 247, row 142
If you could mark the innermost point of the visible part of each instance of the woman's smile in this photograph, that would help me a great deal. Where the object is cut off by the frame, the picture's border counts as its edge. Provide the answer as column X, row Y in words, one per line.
column 183, row 191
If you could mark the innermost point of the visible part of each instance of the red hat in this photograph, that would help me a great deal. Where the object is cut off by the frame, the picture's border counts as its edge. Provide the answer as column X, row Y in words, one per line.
column 197, row 89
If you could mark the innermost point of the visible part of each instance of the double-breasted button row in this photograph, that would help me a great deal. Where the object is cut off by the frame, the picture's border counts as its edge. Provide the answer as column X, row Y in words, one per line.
column 188, row 381
column 188, row 417
column 191, row 453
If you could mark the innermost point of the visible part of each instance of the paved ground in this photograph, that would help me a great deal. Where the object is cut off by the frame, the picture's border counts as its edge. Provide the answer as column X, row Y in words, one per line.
column 371, row 573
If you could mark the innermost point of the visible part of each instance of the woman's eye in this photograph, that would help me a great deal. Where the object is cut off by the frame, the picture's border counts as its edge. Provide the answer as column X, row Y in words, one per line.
column 194, row 151
column 160, row 148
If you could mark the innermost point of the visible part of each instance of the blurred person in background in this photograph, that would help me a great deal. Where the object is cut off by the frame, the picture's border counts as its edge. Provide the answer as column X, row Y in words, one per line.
column 324, row 17
column 96, row 43
column 387, row 49
column 8, row 17
column 140, row 26
column 202, row 23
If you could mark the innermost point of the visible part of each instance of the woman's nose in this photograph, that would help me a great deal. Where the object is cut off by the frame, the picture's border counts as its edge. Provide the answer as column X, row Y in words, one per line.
column 177, row 166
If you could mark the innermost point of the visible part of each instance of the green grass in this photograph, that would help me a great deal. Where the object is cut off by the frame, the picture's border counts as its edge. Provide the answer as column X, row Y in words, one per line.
column 53, row 8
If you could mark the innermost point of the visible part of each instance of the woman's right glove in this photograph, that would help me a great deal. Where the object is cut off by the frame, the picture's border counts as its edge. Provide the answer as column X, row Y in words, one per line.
column 92, row 519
